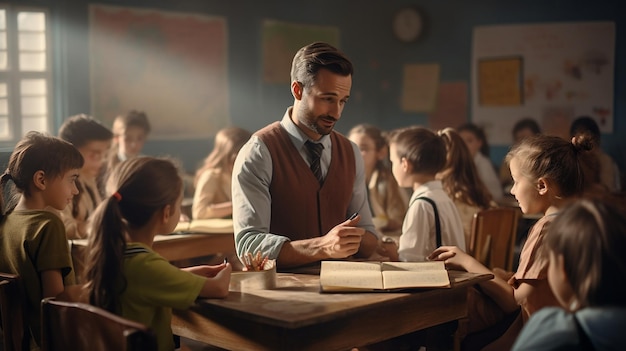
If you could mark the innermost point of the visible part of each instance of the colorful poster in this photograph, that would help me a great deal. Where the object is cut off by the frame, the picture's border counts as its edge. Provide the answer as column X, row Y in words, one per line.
column 171, row 65
column 282, row 40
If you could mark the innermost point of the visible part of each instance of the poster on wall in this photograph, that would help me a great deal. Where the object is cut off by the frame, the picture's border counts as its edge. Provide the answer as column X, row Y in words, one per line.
column 420, row 85
column 173, row 66
column 281, row 40
column 552, row 72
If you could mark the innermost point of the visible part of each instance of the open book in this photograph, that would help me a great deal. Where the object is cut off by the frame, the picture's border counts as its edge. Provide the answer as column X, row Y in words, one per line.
column 338, row 276
column 208, row 226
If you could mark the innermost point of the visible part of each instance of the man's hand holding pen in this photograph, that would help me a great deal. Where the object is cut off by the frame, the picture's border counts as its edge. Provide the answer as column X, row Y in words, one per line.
column 344, row 239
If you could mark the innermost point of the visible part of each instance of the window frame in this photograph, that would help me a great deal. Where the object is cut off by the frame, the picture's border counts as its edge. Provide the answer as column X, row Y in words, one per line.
column 13, row 76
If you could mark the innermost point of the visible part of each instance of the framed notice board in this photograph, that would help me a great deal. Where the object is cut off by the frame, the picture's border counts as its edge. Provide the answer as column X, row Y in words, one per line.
column 551, row 72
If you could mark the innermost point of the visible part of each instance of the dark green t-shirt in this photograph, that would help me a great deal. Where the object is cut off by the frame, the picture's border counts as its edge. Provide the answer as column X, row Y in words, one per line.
column 32, row 242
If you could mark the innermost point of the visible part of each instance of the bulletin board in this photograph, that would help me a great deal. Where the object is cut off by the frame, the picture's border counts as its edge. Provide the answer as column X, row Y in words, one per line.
column 173, row 66
column 552, row 72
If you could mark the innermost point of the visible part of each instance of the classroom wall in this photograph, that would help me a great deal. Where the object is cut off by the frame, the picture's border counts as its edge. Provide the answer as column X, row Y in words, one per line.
column 366, row 37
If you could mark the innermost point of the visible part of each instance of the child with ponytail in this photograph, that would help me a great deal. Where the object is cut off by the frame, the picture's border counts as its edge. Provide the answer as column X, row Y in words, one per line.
column 123, row 274
column 44, row 171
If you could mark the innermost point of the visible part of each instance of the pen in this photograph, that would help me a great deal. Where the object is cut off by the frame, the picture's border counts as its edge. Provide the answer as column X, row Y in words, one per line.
column 353, row 216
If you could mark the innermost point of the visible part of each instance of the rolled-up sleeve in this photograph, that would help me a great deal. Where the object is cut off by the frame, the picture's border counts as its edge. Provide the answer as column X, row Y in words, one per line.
column 252, row 202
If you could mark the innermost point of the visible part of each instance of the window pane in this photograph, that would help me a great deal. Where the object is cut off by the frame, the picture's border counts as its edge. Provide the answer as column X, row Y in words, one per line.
column 33, row 87
column 3, row 60
column 33, row 41
column 4, row 128
column 3, row 39
column 3, row 90
column 33, row 61
column 3, row 21
column 34, row 106
column 4, row 107
column 38, row 123
column 35, row 21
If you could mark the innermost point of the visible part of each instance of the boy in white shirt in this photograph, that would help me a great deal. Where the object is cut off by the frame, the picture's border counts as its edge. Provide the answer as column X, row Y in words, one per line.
column 417, row 155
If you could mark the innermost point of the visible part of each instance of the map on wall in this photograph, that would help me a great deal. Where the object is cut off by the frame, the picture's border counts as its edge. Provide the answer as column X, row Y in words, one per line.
column 282, row 40
column 173, row 66
column 553, row 72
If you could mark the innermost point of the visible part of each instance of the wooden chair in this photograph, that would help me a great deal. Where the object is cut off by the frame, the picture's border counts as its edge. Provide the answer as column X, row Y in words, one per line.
column 16, row 336
column 80, row 327
column 492, row 236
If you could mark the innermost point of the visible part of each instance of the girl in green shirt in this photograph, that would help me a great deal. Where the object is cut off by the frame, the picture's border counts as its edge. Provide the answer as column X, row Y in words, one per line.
column 123, row 274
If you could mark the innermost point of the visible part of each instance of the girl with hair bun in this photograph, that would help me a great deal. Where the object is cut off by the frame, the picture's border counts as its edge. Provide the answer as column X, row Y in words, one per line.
column 547, row 173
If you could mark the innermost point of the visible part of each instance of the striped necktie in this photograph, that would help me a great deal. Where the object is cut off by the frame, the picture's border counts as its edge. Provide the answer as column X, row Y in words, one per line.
column 315, row 153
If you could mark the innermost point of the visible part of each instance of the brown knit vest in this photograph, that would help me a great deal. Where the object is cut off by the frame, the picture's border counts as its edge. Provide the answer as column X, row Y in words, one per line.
column 301, row 209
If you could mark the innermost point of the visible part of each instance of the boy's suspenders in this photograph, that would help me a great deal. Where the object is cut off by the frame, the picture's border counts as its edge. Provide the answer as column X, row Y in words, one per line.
column 437, row 222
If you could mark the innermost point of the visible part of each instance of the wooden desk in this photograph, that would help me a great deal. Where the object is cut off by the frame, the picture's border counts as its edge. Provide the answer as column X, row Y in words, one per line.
column 174, row 247
column 296, row 316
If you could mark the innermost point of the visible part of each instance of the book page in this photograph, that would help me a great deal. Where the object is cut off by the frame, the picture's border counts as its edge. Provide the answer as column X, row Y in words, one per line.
column 415, row 275
column 211, row 226
column 345, row 276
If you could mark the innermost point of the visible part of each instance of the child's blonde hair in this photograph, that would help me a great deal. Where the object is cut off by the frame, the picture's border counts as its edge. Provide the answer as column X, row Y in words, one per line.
column 552, row 158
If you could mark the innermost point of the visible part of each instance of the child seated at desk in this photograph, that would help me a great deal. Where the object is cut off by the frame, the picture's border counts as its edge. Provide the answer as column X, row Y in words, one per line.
column 130, row 132
column 388, row 201
column 585, row 246
column 461, row 181
column 93, row 140
column 212, row 196
column 123, row 274
column 417, row 155
column 43, row 169
column 547, row 175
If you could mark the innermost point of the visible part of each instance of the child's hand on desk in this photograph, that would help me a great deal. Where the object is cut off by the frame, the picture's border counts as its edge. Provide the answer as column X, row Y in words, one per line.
column 218, row 279
column 183, row 218
column 453, row 257
column 209, row 271
column 343, row 240
column 387, row 250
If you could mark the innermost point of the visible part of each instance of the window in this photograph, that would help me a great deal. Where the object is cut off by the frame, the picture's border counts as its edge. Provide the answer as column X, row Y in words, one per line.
column 24, row 72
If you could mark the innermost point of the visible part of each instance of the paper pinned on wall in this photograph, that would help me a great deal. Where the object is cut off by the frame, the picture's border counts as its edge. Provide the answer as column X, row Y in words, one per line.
column 420, row 87
column 500, row 81
column 451, row 110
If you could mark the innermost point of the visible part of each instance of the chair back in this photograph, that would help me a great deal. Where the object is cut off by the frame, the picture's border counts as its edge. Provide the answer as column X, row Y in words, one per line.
column 81, row 327
column 16, row 335
column 492, row 236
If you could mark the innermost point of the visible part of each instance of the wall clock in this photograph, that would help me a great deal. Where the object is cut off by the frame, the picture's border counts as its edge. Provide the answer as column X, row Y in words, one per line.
column 408, row 24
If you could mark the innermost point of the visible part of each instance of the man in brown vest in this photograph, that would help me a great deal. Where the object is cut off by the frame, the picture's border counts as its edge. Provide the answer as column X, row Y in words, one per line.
column 297, row 182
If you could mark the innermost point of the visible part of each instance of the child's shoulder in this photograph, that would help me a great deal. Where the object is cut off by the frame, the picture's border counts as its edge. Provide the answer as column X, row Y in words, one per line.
column 28, row 216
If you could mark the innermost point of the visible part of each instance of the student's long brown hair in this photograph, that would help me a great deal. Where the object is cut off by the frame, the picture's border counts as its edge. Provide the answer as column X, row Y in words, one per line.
column 137, row 189
column 459, row 177
column 36, row 152
column 228, row 141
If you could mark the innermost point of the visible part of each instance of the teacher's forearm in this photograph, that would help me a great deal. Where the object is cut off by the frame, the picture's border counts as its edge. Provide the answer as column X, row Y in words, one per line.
column 301, row 252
